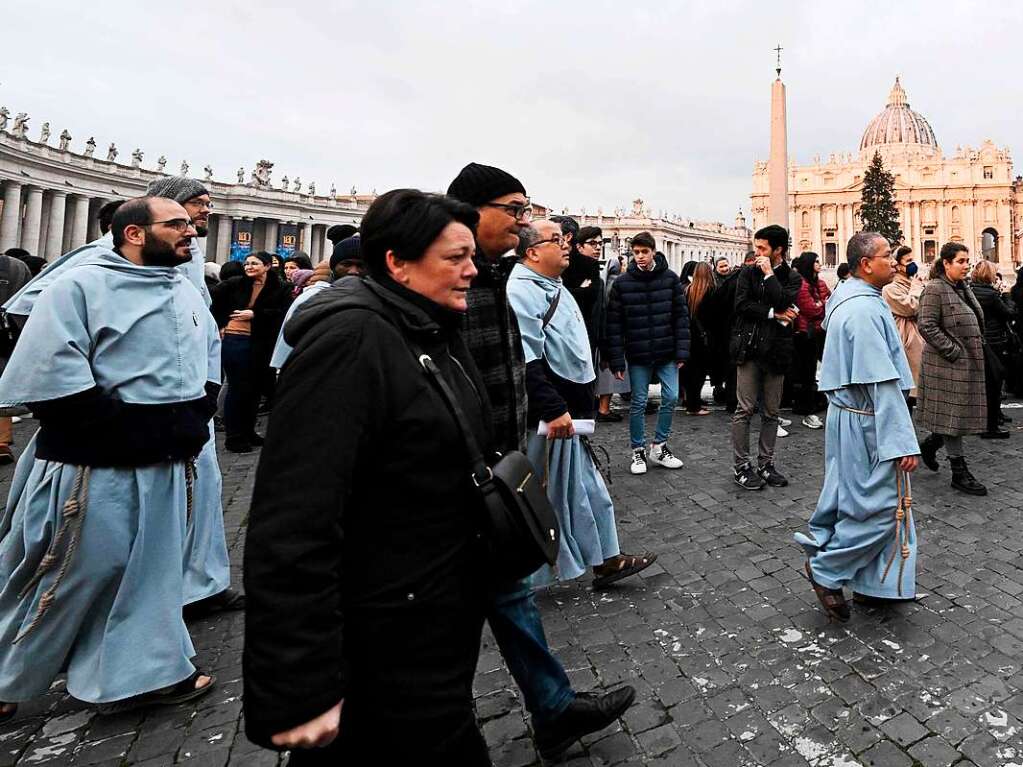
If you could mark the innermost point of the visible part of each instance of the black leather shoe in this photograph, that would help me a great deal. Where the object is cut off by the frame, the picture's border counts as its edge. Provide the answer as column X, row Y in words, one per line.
column 995, row 434
column 237, row 446
column 610, row 417
column 963, row 480
column 587, row 713
column 929, row 450
column 255, row 440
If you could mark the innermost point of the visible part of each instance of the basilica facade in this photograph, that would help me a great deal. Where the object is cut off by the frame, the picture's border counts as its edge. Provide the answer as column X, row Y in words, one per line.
column 970, row 196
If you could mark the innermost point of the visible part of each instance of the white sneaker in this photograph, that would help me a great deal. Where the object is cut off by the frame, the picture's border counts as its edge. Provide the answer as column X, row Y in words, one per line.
column 782, row 432
column 813, row 422
column 784, row 422
column 15, row 419
column 638, row 461
column 662, row 455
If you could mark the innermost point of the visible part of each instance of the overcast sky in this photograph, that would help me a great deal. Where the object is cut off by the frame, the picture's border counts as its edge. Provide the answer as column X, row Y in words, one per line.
column 590, row 103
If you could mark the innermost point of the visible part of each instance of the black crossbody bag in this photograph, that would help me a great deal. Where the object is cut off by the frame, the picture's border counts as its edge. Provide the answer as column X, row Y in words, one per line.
column 520, row 528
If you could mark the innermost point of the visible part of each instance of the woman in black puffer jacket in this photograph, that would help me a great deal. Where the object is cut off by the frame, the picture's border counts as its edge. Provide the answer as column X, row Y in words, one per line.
column 998, row 313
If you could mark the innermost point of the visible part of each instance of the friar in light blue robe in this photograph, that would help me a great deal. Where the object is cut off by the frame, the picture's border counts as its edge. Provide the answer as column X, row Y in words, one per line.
column 206, row 562
column 575, row 487
column 864, row 370
column 112, row 613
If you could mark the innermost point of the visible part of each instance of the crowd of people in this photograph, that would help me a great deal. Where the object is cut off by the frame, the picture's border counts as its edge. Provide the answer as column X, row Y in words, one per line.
column 447, row 337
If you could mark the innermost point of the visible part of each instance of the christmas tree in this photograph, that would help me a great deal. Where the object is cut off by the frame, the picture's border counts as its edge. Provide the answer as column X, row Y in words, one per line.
column 878, row 211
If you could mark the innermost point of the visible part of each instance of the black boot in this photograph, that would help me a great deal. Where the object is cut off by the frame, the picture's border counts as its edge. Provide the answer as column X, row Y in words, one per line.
column 587, row 713
column 929, row 450
column 962, row 480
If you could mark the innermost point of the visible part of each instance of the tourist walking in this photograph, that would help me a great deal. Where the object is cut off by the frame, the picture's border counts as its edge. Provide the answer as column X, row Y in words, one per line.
column 560, row 715
column 700, row 296
column 952, row 388
column 761, row 348
column 559, row 385
column 95, row 527
column 648, row 328
column 998, row 313
column 862, row 533
column 902, row 295
column 250, row 310
column 808, row 338
column 14, row 275
column 363, row 568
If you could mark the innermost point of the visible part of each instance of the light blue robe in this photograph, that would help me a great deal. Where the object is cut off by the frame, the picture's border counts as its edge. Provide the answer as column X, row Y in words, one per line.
column 574, row 485
column 206, row 563
column 144, row 335
column 852, row 531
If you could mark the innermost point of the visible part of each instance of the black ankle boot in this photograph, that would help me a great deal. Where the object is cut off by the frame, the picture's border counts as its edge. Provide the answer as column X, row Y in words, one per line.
column 929, row 450
column 962, row 480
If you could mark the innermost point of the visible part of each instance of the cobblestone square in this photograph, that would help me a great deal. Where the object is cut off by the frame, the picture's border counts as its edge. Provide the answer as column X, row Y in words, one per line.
column 733, row 662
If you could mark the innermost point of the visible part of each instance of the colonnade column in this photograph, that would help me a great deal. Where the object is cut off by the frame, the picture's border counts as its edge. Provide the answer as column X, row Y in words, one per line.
column 10, row 217
column 33, row 220
column 80, row 225
column 55, row 228
column 224, row 230
column 307, row 239
column 270, row 236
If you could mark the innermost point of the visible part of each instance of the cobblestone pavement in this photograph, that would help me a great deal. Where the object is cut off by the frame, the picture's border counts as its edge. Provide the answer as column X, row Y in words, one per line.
column 732, row 659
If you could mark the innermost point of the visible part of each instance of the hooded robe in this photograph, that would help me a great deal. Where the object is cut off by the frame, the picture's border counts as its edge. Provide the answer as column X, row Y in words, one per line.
column 852, row 531
column 143, row 336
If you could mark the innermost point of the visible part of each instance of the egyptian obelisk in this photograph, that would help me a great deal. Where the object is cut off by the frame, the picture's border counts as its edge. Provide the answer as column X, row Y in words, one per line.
column 778, row 163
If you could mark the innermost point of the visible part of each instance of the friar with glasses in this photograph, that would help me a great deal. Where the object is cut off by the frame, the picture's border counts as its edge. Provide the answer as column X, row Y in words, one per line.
column 95, row 528
column 560, row 715
column 862, row 534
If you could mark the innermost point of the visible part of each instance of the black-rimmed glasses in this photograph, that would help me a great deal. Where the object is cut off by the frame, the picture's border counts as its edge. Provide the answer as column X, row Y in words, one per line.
column 180, row 225
column 520, row 211
column 557, row 239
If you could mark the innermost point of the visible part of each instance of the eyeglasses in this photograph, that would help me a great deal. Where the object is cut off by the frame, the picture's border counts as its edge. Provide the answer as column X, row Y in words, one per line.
column 200, row 204
column 557, row 239
column 594, row 243
column 520, row 211
column 180, row 225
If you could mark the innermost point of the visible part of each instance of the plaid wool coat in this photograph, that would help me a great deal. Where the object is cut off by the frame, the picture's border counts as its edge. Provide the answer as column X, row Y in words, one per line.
column 951, row 399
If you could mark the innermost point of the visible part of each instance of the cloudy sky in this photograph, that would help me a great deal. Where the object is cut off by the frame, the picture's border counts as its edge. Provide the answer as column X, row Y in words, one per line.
column 591, row 103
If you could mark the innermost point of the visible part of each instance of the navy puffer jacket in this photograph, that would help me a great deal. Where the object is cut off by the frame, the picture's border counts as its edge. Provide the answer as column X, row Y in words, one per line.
column 647, row 317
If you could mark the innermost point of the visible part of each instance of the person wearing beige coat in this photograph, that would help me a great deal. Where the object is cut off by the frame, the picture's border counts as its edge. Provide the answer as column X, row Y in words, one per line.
column 903, row 298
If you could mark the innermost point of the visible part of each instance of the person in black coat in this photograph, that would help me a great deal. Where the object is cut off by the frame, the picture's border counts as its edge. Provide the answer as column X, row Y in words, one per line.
column 761, row 347
column 363, row 570
column 998, row 315
column 648, row 326
column 249, row 310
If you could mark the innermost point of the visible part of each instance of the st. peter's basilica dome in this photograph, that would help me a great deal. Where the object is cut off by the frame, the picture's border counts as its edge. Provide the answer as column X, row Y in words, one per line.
column 898, row 124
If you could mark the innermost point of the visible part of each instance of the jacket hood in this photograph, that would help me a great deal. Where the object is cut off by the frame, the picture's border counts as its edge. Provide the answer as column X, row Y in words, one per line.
column 846, row 291
column 660, row 265
column 99, row 255
column 523, row 272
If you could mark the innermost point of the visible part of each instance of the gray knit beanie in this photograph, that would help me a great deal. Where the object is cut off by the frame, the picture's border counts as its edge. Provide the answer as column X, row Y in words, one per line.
column 177, row 188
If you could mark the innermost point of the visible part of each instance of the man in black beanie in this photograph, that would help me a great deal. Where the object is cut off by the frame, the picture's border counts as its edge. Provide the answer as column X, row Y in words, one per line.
column 340, row 232
column 560, row 715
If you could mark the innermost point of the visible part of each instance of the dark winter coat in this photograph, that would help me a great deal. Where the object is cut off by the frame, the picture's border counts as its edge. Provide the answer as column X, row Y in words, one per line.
column 361, row 564
column 583, row 280
column 647, row 317
column 271, row 305
column 756, row 335
column 951, row 397
column 998, row 312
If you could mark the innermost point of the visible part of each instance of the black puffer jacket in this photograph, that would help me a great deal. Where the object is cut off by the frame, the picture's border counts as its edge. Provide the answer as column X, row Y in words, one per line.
column 647, row 317
column 998, row 312
column 756, row 335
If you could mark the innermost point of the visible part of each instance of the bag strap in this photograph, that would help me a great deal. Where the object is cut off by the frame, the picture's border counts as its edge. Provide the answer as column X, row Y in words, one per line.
column 549, row 315
column 481, row 473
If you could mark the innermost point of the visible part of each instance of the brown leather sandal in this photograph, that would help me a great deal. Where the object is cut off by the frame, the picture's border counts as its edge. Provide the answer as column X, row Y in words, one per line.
column 621, row 566
column 832, row 600
column 182, row 692
column 7, row 711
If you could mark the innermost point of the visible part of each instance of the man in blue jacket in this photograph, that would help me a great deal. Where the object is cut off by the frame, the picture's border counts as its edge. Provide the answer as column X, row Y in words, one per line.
column 648, row 326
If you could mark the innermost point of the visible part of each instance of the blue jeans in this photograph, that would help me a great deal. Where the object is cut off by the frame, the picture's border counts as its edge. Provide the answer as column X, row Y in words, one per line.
column 518, row 629
column 640, row 377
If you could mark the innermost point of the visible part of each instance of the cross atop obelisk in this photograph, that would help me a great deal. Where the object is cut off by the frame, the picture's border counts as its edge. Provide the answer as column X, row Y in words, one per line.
column 778, row 51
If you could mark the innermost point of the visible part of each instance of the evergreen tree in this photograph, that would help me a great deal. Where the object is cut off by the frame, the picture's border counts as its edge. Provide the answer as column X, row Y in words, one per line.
column 878, row 212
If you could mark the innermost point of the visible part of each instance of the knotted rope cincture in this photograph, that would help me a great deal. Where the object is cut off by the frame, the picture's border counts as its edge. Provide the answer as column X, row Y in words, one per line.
column 191, row 473
column 72, row 518
column 903, row 521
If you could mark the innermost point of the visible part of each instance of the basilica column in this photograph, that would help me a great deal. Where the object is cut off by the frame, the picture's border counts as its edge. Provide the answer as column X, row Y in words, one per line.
column 55, row 227
column 33, row 220
column 917, row 242
column 10, row 217
column 92, row 231
column 225, row 227
column 841, row 234
column 817, row 238
column 270, row 236
column 80, row 225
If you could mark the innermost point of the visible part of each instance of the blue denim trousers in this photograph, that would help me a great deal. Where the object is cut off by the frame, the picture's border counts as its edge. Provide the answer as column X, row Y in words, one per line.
column 515, row 621
column 640, row 377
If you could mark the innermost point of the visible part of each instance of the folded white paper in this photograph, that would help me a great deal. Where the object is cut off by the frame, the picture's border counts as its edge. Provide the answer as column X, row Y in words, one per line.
column 582, row 426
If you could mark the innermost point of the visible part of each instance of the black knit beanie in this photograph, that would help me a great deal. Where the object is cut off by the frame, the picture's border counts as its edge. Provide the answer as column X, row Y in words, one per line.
column 476, row 184
column 346, row 250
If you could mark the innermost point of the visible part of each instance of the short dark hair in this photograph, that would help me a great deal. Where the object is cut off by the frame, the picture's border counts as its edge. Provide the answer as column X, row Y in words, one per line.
column 842, row 271
column 134, row 212
column 568, row 226
column 264, row 256
column 903, row 250
column 861, row 246
column 950, row 249
column 18, row 253
column 231, row 269
column 407, row 221
column 340, row 232
column 645, row 240
column 588, row 233
column 105, row 216
column 303, row 261
column 776, row 236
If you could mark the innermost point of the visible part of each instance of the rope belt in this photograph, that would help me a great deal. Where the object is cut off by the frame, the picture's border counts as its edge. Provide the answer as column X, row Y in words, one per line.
column 71, row 525
column 903, row 520
column 191, row 473
column 853, row 410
